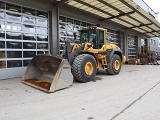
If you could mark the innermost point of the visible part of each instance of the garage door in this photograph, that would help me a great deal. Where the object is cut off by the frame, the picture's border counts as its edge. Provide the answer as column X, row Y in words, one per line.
column 113, row 36
column 67, row 27
column 23, row 35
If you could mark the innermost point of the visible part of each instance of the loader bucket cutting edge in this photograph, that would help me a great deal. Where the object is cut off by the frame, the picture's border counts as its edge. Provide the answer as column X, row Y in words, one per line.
column 48, row 73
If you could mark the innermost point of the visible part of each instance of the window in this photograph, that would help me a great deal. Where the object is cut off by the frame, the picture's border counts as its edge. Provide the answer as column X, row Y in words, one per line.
column 142, row 42
column 42, row 46
column 2, row 5
column 28, row 11
column 28, row 19
column 84, row 36
column 101, row 39
column 13, row 17
column 2, row 44
column 151, row 42
column 14, row 54
column 28, row 28
column 87, row 36
column 159, row 43
column 2, row 34
column 12, row 7
column 29, row 54
column 14, row 45
column 154, row 42
column 13, row 26
column 2, row 25
column 1, row 15
column 29, row 36
column 2, row 54
column 29, row 45
column 13, row 35
column 112, row 36
column 14, row 63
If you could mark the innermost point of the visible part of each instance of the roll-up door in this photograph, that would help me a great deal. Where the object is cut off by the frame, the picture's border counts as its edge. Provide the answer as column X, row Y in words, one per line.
column 23, row 35
column 131, row 47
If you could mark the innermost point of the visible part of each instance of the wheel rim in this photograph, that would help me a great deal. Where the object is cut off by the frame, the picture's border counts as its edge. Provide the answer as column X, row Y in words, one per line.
column 88, row 68
column 117, row 65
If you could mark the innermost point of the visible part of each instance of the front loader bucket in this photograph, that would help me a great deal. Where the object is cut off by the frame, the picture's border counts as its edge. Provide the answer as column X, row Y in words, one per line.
column 48, row 73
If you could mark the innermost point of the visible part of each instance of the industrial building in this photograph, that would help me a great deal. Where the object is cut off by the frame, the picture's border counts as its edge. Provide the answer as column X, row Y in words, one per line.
column 32, row 27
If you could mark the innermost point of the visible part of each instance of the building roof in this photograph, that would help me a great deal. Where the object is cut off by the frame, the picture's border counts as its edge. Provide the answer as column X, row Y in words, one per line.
column 124, row 12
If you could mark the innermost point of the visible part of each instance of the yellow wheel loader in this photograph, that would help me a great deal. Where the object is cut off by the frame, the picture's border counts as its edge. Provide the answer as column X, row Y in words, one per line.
column 79, row 61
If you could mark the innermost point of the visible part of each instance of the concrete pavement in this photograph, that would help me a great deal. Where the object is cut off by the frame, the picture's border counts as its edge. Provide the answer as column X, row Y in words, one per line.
column 134, row 94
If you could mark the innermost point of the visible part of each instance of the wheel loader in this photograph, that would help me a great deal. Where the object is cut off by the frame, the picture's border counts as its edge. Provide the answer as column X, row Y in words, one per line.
column 79, row 61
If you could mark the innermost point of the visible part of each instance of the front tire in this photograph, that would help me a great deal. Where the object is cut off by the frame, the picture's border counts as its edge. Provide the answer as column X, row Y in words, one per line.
column 84, row 68
column 114, row 66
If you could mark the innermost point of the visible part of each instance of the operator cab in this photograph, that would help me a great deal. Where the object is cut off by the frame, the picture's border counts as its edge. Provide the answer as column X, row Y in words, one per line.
column 94, row 35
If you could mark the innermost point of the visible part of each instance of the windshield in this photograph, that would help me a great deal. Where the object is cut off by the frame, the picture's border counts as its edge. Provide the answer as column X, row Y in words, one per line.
column 88, row 36
column 84, row 36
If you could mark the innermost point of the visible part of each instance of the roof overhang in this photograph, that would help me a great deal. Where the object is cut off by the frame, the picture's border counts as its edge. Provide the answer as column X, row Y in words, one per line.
column 124, row 12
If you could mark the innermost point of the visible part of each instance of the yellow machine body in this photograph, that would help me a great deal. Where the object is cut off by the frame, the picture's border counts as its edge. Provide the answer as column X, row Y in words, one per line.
column 80, row 61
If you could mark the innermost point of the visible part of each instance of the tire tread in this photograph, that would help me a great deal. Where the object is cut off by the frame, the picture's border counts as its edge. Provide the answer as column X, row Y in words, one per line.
column 76, row 67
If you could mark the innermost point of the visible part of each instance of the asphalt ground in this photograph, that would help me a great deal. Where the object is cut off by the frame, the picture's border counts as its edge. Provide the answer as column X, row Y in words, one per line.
column 134, row 94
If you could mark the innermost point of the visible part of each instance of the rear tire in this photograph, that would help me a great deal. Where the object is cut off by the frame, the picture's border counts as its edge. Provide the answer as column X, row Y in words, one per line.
column 84, row 68
column 114, row 66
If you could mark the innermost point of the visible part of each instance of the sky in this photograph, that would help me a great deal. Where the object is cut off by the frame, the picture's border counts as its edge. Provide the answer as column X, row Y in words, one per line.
column 155, row 5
